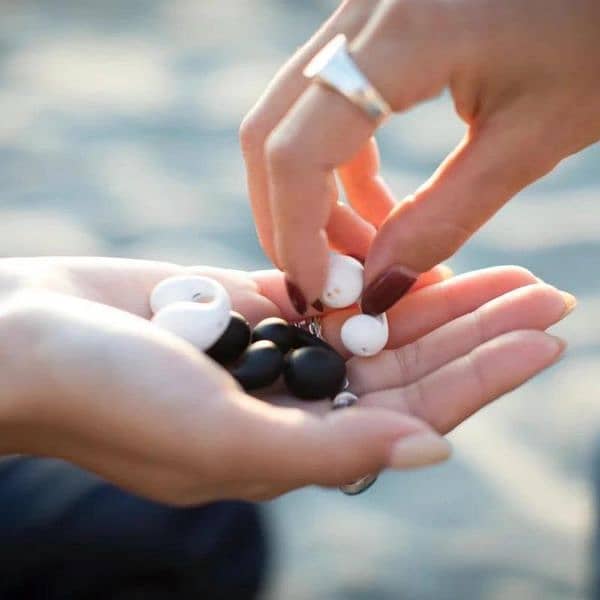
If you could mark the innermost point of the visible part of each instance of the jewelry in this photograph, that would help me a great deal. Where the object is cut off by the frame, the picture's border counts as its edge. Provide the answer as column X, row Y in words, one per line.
column 334, row 67
column 312, row 325
column 359, row 486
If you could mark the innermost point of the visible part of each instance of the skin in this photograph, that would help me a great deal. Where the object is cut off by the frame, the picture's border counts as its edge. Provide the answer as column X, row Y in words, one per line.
column 524, row 77
column 86, row 377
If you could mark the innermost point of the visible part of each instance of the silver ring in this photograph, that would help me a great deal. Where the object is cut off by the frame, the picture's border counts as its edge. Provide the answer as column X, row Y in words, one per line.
column 333, row 67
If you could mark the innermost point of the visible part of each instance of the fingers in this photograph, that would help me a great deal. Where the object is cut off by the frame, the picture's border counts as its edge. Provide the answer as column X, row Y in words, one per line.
column 483, row 173
column 281, row 94
column 323, row 131
column 435, row 275
column 365, row 189
column 289, row 448
column 348, row 233
column 449, row 395
column 269, row 284
column 535, row 307
column 426, row 309
column 451, row 299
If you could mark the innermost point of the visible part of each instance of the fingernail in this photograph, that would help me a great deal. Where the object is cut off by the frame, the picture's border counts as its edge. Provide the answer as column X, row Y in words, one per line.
column 387, row 289
column 446, row 271
column 570, row 302
column 296, row 296
column 419, row 450
column 318, row 306
column 560, row 343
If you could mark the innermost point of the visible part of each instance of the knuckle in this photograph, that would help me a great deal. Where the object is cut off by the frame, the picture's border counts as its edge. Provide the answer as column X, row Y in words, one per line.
column 407, row 358
column 477, row 323
column 532, row 160
column 280, row 151
column 253, row 132
column 476, row 375
column 415, row 398
column 445, row 236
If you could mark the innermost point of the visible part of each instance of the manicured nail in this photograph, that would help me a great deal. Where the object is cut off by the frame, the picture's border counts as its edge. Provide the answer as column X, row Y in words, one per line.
column 296, row 296
column 446, row 271
column 387, row 289
column 318, row 306
column 418, row 450
column 560, row 343
column 570, row 302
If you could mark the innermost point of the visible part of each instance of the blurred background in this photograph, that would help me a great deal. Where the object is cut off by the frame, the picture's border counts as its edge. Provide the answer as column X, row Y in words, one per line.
column 118, row 136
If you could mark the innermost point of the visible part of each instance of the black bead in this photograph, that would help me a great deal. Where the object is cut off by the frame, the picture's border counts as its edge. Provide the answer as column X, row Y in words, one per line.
column 260, row 365
column 230, row 346
column 304, row 338
column 313, row 373
column 275, row 330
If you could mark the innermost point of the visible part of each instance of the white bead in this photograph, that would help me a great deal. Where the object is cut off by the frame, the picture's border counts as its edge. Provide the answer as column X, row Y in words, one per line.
column 188, row 288
column 364, row 335
column 344, row 283
column 201, row 324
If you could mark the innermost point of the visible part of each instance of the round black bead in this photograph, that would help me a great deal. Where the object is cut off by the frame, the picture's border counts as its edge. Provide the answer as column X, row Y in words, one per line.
column 313, row 373
column 303, row 338
column 275, row 330
column 260, row 365
column 230, row 346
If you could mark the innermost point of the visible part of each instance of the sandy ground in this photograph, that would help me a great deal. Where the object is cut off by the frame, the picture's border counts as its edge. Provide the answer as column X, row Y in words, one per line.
column 118, row 136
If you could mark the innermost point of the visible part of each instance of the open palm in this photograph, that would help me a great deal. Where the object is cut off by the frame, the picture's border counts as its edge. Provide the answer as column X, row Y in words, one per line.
column 111, row 392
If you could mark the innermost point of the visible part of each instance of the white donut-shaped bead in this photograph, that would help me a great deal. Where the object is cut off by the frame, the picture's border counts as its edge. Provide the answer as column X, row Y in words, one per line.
column 344, row 283
column 189, row 288
column 201, row 324
column 364, row 335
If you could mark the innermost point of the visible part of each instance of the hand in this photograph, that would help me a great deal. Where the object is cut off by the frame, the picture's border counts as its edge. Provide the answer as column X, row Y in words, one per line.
column 525, row 78
column 87, row 378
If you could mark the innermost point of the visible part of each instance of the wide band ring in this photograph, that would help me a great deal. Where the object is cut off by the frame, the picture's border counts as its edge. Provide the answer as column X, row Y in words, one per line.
column 333, row 67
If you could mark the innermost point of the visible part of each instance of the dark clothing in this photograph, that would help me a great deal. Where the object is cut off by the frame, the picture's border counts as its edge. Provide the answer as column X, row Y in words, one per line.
column 66, row 534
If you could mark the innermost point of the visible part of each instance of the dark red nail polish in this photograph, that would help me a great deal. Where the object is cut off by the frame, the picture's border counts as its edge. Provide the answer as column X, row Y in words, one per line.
column 387, row 289
column 296, row 296
column 318, row 305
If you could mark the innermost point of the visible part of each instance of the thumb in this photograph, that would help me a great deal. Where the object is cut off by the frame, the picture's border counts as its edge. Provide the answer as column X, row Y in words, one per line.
column 291, row 448
column 486, row 169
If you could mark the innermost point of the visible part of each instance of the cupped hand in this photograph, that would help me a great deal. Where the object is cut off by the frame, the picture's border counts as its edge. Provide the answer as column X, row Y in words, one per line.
column 89, row 379
column 524, row 77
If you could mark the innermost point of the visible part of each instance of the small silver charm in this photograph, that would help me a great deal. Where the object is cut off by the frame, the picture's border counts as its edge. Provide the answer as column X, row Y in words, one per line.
column 346, row 399
column 312, row 325
column 359, row 486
